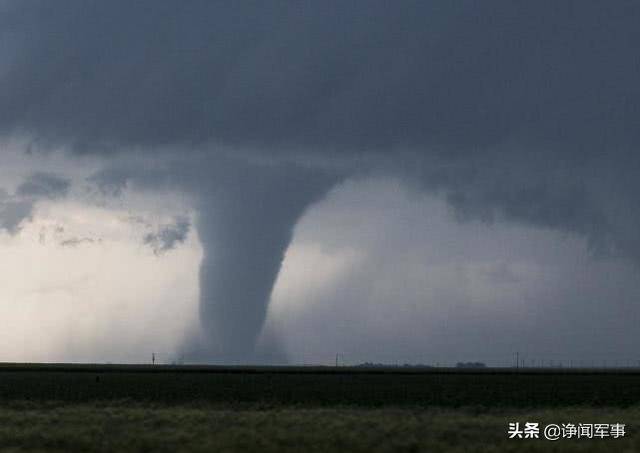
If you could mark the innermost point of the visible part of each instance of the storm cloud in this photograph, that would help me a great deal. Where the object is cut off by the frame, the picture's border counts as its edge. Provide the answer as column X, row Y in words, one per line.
column 516, row 111
column 18, row 208
column 44, row 185
column 13, row 213
column 168, row 236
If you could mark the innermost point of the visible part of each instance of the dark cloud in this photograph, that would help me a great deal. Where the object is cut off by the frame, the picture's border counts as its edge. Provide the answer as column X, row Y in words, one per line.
column 76, row 241
column 111, row 181
column 44, row 185
column 18, row 208
column 323, row 75
column 478, row 87
column 514, row 110
column 13, row 214
column 168, row 237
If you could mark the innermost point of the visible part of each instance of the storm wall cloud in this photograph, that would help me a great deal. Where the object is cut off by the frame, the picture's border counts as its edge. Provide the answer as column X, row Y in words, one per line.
column 514, row 111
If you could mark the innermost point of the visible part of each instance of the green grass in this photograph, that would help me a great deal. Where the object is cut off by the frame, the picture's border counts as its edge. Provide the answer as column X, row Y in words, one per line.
column 142, row 408
column 127, row 426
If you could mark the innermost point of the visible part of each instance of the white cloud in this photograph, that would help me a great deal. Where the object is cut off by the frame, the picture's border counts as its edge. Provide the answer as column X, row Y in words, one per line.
column 110, row 299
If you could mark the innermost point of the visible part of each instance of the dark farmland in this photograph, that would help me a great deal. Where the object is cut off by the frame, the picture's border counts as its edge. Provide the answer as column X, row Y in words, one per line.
column 141, row 408
column 322, row 386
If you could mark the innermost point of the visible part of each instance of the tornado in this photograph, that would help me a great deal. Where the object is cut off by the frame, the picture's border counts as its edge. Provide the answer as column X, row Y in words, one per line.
column 459, row 99
column 245, row 224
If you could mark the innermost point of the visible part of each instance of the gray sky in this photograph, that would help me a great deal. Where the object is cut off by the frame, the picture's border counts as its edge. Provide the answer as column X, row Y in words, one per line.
column 439, row 180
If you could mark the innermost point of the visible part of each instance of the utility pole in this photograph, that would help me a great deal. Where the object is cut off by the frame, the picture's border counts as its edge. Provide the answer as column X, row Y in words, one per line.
column 517, row 360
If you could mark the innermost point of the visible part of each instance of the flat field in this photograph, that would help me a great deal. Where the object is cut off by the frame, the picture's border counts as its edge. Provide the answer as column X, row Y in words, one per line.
column 195, row 408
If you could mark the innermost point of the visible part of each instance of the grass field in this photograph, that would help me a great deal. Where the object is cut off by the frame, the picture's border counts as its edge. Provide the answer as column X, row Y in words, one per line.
column 162, row 408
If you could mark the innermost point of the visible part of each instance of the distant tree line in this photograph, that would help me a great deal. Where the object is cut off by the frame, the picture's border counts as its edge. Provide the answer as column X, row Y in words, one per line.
column 470, row 365
column 395, row 365
column 418, row 365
